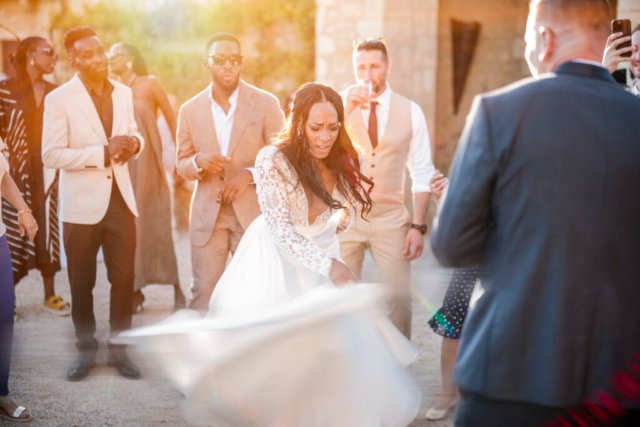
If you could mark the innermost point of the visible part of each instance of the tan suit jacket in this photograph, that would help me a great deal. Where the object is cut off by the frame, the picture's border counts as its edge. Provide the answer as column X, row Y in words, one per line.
column 258, row 118
column 73, row 140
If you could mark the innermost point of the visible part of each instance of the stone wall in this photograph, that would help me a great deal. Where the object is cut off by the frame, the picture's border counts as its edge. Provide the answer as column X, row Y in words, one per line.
column 629, row 9
column 20, row 19
column 498, row 60
column 23, row 18
column 409, row 27
column 419, row 39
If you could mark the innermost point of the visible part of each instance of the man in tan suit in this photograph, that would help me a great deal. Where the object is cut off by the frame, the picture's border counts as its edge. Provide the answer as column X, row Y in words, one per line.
column 220, row 132
column 90, row 133
column 393, row 134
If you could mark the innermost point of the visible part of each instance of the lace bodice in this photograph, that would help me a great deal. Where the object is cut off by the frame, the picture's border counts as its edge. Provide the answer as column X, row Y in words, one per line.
column 284, row 205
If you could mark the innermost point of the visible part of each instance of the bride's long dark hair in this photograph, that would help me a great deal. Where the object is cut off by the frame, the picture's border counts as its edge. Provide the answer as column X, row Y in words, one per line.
column 342, row 159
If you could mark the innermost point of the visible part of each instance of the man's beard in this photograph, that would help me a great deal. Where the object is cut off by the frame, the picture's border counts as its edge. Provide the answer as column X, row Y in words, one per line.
column 221, row 83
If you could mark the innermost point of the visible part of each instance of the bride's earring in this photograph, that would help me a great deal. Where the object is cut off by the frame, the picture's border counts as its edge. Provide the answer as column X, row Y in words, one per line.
column 299, row 132
column 129, row 64
column 32, row 62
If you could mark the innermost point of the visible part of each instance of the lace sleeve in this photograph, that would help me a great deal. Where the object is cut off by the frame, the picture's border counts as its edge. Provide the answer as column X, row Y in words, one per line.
column 275, row 181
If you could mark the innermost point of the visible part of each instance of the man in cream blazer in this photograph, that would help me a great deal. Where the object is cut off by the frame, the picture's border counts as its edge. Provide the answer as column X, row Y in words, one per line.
column 90, row 133
column 220, row 132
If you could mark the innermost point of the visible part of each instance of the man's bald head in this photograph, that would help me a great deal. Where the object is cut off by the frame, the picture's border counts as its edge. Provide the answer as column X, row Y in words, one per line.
column 590, row 16
column 562, row 30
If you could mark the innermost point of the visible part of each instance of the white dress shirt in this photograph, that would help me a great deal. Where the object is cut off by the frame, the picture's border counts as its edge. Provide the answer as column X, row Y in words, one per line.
column 223, row 121
column 419, row 163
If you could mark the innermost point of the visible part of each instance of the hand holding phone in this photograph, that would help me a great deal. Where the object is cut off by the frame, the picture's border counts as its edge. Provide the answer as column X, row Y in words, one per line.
column 623, row 26
column 618, row 48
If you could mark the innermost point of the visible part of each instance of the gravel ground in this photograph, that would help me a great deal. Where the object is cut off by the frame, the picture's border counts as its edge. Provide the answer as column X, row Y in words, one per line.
column 44, row 349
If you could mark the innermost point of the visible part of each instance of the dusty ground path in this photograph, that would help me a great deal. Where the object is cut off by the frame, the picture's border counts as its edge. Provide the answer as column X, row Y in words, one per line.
column 44, row 349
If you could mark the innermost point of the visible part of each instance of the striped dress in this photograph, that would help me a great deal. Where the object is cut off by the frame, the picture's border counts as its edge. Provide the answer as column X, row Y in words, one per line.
column 21, row 130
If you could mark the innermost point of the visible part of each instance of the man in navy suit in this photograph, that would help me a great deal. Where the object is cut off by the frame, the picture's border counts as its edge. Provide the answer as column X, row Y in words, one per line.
column 545, row 194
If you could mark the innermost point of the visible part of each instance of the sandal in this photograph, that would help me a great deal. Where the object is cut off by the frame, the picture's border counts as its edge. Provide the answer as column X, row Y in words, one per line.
column 19, row 414
column 56, row 305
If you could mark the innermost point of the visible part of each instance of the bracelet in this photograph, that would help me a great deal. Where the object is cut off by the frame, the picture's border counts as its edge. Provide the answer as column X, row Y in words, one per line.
column 422, row 228
column 24, row 211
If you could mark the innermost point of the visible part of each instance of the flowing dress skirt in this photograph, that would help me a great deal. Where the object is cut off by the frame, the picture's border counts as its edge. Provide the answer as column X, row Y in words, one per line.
column 281, row 346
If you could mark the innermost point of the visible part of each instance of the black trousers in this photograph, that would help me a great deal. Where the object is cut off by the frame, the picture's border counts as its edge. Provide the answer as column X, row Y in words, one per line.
column 116, row 234
column 6, row 314
column 475, row 410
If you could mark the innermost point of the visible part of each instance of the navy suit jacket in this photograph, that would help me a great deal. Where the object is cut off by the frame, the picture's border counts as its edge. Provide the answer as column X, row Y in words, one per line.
column 545, row 194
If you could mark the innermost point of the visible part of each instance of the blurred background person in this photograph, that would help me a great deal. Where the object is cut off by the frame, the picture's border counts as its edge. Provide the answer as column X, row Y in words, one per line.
column 28, row 228
column 448, row 320
column 21, row 112
column 181, row 189
column 156, row 261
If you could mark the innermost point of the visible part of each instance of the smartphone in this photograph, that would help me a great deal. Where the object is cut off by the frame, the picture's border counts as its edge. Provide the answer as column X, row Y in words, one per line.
column 622, row 26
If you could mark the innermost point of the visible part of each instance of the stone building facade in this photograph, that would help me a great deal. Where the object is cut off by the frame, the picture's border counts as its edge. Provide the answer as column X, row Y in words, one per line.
column 419, row 37
column 23, row 18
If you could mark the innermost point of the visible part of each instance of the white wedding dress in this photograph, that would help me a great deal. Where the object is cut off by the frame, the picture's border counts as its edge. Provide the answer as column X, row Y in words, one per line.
column 281, row 346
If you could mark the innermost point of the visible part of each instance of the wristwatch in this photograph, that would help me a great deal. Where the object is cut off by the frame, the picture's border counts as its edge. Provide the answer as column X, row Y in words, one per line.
column 422, row 228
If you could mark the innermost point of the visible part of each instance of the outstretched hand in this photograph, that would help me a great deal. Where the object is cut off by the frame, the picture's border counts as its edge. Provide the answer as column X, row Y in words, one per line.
column 340, row 274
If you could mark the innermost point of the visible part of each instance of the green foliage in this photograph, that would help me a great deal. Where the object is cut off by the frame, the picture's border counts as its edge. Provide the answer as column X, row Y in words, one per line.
column 278, row 38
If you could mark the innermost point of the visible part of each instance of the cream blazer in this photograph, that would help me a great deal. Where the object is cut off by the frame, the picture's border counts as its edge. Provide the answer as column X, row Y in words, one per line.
column 73, row 141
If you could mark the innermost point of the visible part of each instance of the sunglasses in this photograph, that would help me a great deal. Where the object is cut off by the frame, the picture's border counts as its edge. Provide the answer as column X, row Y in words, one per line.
column 221, row 59
column 49, row 51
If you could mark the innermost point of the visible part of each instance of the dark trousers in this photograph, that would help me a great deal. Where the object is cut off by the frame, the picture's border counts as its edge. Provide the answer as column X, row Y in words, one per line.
column 475, row 410
column 116, row 234
column 6, row 314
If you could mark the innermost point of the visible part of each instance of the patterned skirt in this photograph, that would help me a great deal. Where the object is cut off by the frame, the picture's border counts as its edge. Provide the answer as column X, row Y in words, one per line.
column 448, row 321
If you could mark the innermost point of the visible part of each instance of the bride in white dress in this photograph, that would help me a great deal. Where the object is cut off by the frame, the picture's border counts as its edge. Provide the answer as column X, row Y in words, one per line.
column 290, row 340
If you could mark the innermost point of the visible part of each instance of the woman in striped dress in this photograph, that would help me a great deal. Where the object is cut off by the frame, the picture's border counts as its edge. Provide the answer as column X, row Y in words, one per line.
column 21, row 112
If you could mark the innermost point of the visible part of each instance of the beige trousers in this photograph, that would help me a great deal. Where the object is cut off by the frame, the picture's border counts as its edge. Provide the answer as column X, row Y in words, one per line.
column 209, row 261
column 384, row 236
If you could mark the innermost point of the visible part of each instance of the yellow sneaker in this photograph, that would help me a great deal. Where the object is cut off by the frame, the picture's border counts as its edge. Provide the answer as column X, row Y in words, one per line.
column 56, row 305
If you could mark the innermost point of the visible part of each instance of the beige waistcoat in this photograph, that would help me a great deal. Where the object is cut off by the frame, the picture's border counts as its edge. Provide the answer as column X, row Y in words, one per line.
column 386, row 164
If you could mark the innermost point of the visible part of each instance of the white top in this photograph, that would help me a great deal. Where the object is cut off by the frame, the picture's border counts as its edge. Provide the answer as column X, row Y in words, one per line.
column 419, row 162
column 223, row 121
column 4, row 168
